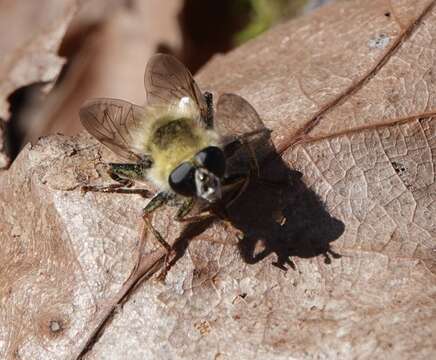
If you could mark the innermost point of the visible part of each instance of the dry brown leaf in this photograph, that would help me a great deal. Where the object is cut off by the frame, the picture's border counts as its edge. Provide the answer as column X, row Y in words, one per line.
column 31, row 34
column 325, row 85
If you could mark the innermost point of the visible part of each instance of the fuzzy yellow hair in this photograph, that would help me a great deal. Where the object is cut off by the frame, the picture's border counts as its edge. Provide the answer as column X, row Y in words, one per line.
column 171, row 135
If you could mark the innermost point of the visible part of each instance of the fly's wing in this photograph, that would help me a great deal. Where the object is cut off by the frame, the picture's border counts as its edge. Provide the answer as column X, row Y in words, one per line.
column 169, row 83
column 115, row 124
column 236, row 118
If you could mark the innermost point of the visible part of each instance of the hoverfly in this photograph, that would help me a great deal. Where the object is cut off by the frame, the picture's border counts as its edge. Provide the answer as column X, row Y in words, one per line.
column 177, row 142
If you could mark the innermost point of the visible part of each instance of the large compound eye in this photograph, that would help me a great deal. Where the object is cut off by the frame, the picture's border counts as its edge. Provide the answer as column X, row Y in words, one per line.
column 182, row 179
column 212, row 158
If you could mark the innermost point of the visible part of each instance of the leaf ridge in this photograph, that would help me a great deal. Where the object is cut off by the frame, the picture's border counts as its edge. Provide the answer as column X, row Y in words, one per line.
column 303, row 132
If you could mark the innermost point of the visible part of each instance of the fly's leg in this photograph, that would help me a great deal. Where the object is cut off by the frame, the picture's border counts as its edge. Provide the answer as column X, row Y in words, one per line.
column 237, row 182
column 121, row 184
column 156, row 202
column 209, row 117
column 196, row 218
column 186, row 208
column 180, row 216
column 124, row 175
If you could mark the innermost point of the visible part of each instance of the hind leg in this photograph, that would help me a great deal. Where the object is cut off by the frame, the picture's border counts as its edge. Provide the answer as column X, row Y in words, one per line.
column 125, row 176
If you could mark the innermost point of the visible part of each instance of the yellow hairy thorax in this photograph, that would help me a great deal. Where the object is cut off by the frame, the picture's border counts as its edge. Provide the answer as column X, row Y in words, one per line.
column 171, row 134
column 172, row 141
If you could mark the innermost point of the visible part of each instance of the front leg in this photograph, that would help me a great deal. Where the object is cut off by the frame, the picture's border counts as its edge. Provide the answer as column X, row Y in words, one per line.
column 156, row 202
column 186, row 208
column 236, row 183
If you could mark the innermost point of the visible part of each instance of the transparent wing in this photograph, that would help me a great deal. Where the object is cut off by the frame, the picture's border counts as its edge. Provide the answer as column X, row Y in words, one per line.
column 236, row 118
column 114, row 123
column 168, row 82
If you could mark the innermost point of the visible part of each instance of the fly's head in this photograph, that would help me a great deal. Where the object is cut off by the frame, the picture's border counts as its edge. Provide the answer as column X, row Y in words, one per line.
column 201, row 177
